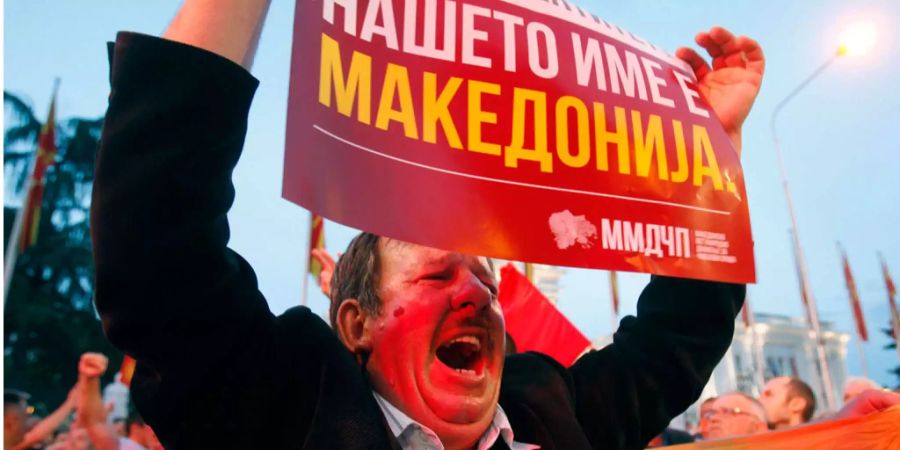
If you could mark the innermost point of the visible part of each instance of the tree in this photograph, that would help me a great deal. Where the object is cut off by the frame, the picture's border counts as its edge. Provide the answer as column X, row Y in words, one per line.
column 49, row 319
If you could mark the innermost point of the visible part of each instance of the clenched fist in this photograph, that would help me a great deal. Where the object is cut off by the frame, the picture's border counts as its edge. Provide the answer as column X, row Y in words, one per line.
column 92, row 365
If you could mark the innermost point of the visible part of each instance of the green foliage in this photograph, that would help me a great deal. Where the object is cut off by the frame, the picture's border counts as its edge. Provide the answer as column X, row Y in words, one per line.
column 49, row 320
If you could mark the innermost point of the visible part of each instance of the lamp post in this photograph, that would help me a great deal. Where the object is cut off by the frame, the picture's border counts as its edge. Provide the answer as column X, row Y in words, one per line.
column 856, row 40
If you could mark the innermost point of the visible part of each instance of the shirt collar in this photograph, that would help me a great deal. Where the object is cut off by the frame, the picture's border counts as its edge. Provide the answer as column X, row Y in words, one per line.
column 411, row 434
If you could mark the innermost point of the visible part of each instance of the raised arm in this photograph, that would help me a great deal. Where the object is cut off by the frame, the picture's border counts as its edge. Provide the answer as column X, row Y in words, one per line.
column 660, row 360
column 51, row 423
column 91, row 412
column 228, row 28
column 168, row 289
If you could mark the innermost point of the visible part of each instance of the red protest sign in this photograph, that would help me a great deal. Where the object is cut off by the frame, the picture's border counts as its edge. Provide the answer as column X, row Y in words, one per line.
column 524, row 130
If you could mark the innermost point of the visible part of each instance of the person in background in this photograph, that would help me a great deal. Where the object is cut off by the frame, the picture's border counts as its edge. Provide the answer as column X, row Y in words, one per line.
column 119, row 424
column 140, row 433
column 671, row 436
column 91, row 410
column 44, row 429
column 736, row 414
column 703, row 424
column 788, row 402
column 15, row 416
column 856, row 385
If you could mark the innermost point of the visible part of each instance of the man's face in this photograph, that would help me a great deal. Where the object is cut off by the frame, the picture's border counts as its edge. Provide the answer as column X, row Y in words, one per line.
column 119, row 426
column 14, row 418
column 703, row 425
column 734, row 415
column 79, row 439
column 775, row 399
column 437, row 347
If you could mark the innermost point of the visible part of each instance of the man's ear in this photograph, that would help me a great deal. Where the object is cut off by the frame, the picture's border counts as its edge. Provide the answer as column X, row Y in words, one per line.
column 352, row 327
column 796, row 404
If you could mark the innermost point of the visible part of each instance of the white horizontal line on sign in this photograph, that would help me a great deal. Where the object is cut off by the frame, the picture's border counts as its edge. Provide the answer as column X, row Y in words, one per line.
column 514, row 183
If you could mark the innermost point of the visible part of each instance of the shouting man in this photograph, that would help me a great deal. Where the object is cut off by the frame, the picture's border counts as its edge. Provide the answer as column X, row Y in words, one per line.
column 415, row 358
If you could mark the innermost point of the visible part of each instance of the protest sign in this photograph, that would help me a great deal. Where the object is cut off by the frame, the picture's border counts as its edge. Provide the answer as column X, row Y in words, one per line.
column 527, row 130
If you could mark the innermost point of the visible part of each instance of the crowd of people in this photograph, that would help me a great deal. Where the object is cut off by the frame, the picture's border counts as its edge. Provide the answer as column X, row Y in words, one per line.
column 82, row 422
column 784, row 402
column 413, row 353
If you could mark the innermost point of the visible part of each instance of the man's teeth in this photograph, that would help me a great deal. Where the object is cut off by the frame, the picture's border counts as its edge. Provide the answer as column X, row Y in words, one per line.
column 468, row 340
column 465, row 371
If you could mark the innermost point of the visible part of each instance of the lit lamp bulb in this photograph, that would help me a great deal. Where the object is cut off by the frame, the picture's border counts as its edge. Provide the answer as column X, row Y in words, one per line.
column 857, row 39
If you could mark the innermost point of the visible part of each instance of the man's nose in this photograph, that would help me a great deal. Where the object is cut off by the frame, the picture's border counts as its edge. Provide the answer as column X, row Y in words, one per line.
column 471, row 294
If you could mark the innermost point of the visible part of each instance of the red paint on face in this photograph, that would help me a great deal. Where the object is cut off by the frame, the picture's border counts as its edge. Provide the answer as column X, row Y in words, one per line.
column 442, row 363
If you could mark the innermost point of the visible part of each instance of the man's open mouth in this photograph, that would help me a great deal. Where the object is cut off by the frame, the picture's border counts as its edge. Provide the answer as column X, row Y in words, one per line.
column 462, row 354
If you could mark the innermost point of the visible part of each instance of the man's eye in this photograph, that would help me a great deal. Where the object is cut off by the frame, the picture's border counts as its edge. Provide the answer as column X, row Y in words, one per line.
column 439, row 276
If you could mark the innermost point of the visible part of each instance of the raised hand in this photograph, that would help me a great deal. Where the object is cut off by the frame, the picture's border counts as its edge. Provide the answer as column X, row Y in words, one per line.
column 732, row 83
column 92, row 365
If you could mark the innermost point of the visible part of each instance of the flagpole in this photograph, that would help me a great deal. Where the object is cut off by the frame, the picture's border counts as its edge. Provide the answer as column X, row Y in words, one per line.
column 857, row 312
column 812, row 311
column 862, row 357
column 758, row 359
column 615, row 323
column 812, row 314
column 12, row 252
column 892, row 304
column 308, row 254
column 895, row 321
column 613, row 300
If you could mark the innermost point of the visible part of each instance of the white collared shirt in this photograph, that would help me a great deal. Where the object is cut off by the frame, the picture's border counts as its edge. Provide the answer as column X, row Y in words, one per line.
column 414, row 436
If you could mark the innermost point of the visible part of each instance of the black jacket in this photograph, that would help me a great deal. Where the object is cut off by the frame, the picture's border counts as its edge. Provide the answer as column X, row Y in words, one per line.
column 216, row 369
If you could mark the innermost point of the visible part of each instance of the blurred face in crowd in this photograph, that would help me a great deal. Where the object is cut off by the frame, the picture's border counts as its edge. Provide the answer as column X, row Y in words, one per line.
column 14, row 423
column 703, row 425
column 853, row 388
column 782, row 407
column 119, row 426
column 735, row 415
column 78, row 439
column 436, row 348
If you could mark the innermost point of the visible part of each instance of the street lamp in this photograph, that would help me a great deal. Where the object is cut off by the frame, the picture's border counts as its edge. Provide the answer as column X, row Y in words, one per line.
column 857, row 39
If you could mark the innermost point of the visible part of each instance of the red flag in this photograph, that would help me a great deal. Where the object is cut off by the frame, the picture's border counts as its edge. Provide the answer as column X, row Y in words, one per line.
column 614, row 292
column 891, row 288
column 892, row 293
column 46, row 157
column 127, row 370
column 316, row 240
column 854, row 299
column 534, row 323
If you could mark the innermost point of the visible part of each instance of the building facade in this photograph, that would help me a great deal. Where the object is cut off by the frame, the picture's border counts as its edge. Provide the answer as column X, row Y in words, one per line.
column 777, row 345
column 774, row 345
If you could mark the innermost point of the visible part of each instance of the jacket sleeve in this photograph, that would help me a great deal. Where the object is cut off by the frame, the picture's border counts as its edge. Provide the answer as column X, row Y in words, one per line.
column 658, row 362
column 169, row 291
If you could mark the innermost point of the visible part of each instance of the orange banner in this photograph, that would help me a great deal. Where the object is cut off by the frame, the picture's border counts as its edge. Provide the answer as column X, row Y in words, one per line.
column 879, row 431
